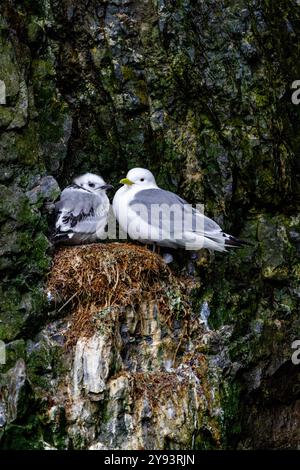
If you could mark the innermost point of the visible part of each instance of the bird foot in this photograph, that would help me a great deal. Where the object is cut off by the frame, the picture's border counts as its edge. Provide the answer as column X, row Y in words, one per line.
column 168, row 258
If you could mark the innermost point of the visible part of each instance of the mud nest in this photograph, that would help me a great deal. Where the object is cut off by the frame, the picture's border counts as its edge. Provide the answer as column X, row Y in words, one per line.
column 91, row 279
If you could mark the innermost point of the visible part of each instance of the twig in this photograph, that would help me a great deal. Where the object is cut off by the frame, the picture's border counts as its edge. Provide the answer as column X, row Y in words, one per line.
column 68, row 301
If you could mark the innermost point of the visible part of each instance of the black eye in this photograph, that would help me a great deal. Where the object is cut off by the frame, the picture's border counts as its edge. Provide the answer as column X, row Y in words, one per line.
column 91, row 185
column 142, row 179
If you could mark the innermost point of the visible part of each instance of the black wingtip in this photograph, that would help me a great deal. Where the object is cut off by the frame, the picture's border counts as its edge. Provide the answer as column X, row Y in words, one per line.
column 234, row 242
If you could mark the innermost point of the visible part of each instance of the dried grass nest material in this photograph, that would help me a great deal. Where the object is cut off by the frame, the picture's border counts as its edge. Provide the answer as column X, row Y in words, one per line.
column 91, row 278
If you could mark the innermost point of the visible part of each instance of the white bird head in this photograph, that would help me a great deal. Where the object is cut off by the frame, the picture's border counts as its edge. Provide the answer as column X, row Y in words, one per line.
column 140, row 177
column 92, row 183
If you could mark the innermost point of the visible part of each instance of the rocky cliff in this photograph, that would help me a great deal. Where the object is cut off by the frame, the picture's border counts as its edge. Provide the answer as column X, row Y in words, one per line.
column 200, row 93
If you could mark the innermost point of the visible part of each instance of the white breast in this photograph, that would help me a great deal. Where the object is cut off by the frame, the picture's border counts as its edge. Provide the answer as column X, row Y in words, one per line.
column 121, row 202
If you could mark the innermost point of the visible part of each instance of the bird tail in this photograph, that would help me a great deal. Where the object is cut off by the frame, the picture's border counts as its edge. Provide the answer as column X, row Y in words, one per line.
column 222, row 241
column 61, row 238
column 219, row 241
column 233, row 242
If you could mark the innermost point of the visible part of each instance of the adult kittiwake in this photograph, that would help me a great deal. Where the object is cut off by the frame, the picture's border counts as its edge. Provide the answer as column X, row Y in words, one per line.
column 154, row 216
column 82, row 211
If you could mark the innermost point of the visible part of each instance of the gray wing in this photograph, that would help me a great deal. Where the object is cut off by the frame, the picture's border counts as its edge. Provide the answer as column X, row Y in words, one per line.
column 76, row 201
column 148, row 198
column 80, row 210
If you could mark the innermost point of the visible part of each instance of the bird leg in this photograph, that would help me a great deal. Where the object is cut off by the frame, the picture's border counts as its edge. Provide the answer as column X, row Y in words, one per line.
column 155, row 248
column 191, row 266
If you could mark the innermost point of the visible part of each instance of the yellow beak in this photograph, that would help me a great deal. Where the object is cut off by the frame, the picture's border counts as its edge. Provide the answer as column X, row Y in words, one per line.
column 126, row 181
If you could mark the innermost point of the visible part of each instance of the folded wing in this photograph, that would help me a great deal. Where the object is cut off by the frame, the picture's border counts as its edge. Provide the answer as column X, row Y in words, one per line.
column 80, row 211
column 171, row 218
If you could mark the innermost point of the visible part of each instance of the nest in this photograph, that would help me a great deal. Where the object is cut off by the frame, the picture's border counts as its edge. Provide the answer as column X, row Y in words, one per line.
column 97, row 278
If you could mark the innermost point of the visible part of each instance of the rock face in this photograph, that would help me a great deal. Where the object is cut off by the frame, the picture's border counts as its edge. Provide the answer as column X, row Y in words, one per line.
column 200, row 93
column 125, row 376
